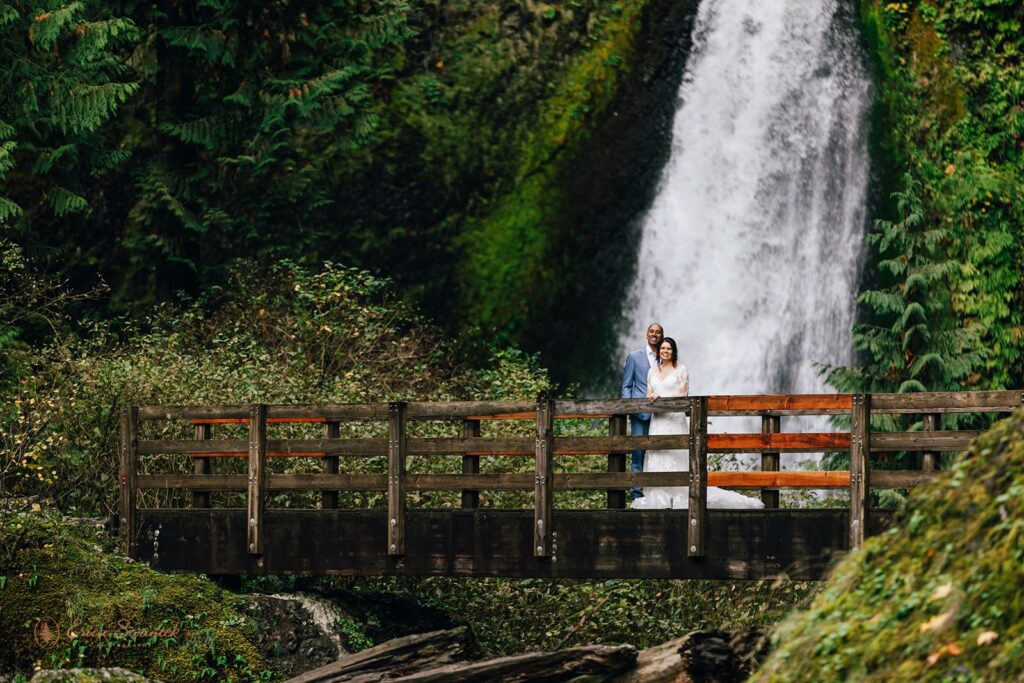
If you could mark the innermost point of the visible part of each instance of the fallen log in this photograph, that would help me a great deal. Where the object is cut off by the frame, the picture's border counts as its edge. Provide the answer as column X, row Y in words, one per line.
column 394, row 658
column 597, row 662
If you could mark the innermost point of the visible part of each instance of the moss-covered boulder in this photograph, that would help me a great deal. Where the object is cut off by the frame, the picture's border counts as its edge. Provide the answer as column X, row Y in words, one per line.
column 938, row 597
column 66, row 602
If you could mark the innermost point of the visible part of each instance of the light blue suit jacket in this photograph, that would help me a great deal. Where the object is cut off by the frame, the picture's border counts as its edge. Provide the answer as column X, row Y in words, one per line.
column 634, row 378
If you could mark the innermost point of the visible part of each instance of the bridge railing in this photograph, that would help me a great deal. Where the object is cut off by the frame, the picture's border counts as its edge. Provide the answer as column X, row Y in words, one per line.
column 543, row 445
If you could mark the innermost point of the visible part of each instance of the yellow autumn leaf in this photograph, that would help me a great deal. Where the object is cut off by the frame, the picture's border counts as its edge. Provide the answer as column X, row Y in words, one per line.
column 986, row 637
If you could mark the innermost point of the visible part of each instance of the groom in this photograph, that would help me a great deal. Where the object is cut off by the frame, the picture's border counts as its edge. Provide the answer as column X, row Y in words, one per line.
column 634, row 385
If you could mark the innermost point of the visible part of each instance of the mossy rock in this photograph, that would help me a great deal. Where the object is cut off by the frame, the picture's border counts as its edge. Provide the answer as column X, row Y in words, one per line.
column 110, row 675
column 938, row 597
column 66, row 602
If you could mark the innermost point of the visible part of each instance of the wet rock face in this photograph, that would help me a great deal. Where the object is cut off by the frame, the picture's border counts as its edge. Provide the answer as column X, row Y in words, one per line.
column 720, row 657
column 289, row 636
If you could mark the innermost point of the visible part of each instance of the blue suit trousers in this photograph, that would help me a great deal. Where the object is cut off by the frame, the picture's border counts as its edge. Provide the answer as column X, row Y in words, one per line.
column 637, row 427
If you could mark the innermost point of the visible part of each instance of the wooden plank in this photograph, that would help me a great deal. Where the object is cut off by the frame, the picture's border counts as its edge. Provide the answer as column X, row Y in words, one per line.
column 949, row 402
column 860, row 486
column 279, row 413
column 329, row 499
column 922, row 441
column 617, row 462
column 621, row 406
column 578, row 445
column 396, row 479
column 257, row 477
column 280, row 447
column 200, row 498
column 127, row 480
column 696, row 537
column 930, row 423
column 901, row 479
column 780, row 404
column 770, row 424
column 592, row 544
column 787, row 443
column 820, row 479
column 511, row 481
column 460, row 410
column 543, row 493
column 470, row 463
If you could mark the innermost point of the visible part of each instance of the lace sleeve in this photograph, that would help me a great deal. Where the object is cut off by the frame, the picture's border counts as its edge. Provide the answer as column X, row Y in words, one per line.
column 684, row 380
column 650, row 381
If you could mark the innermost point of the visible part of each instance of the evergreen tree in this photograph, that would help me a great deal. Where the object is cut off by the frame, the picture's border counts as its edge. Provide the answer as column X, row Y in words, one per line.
column 910, row 340
column 62, row 79
column 247, row 105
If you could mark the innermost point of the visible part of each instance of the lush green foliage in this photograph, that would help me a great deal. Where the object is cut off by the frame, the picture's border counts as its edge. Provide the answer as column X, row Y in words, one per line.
column 104, row 610
column 280, row 336
column 948, row 307
column 63, row 77
column 937, row 597
column 514, row 616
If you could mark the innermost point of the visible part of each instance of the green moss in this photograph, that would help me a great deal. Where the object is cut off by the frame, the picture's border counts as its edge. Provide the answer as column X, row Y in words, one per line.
column 506, row 247
column 937, row 597
column 65, row 602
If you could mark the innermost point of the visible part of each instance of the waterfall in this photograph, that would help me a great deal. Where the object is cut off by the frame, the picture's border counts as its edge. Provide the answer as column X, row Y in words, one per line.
column 750, row 253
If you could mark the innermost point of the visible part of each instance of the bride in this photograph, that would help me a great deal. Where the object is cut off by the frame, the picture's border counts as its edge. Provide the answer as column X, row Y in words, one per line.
column 670, row 379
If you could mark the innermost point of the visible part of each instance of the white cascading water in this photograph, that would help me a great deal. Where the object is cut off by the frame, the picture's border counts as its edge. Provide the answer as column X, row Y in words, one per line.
column 750, row 252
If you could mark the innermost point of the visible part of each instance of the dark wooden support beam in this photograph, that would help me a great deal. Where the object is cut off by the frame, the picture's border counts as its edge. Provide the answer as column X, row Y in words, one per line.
column 128, row 489
column 617, row 462
column 396, row 478
column 698, row 510
column 770, row 424
column 860, row 466
column 329, row 499
column 930, row 459
column 470, row 463
column 257, row 479
column 543, row 490
column 592, row 544
column 200, row 498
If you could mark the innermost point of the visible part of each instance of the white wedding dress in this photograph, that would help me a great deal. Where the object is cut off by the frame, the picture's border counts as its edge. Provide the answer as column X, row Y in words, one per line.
column 676, row 383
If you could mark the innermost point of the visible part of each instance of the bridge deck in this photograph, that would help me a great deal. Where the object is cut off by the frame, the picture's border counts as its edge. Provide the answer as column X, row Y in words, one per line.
column 747, row 544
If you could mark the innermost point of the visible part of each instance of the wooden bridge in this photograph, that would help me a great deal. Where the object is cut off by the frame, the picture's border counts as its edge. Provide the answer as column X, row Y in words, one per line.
column 287, row 505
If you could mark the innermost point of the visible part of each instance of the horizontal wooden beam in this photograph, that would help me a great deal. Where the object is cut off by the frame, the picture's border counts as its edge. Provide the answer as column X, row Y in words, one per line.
column 921, row 441
column 748, row 544
column 948, row 402
column 517, row 481
column 784, row 442
column 780, row 404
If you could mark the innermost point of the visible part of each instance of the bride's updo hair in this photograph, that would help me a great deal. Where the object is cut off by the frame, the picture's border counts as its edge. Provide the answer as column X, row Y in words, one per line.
column 675, row 349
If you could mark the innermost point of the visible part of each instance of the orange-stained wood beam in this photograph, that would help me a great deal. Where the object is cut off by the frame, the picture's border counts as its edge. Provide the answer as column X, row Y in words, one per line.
column 818, row 479
column 770, row 402
column 826, row 441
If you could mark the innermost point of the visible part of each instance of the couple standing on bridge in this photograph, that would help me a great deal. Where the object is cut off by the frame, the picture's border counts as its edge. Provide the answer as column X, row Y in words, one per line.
column 655, row 372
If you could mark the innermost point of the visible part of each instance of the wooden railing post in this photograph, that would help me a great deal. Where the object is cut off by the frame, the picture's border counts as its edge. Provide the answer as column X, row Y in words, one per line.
column 396, row 479
column 697, row 530
column 470, row 463
column 329, row 499
column 542, row 491
column 617, row 462
column 770, row 424
column 257, row 480
column 860, row 467
column 930, row 459
column 202, row 465
column 129, row 468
